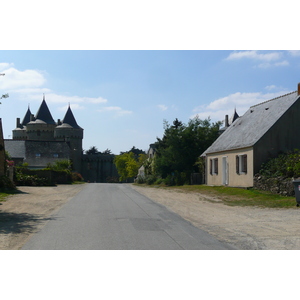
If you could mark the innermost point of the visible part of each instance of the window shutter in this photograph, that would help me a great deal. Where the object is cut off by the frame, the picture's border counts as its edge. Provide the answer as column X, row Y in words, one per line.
column 237, row 164
column 245, row 163
column 216, row 166
column 210, row 166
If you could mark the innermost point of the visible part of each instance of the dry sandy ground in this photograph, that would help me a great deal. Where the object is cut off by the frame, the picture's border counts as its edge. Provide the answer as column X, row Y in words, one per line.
column 245, row 228
column 23, row 214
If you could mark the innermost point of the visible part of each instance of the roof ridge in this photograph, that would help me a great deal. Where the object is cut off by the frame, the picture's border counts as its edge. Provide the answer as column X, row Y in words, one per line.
column 273, row 99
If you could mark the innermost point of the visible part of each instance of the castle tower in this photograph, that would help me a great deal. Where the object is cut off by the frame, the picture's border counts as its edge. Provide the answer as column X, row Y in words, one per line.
column 20, row 132
column 42, row 126
column 70, row 132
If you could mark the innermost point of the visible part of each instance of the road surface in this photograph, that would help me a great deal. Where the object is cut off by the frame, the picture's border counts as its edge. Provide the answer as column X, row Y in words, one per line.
column 116, row 217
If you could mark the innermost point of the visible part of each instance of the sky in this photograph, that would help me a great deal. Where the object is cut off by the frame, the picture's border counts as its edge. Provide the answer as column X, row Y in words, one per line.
column 121, row 98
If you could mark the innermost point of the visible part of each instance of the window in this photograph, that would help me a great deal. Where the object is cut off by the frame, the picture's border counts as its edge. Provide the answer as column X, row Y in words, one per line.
column 214, row 166
column 55, row 155
column 241, row 164
column 38, row 155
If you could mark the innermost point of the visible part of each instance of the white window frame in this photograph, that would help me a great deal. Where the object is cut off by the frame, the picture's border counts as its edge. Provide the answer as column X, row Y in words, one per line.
column 214, row 165
column 241, row 170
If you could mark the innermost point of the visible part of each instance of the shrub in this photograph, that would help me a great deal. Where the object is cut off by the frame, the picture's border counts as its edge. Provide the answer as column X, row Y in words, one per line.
column 77, row 177
column 150, row 179
column 140, row 179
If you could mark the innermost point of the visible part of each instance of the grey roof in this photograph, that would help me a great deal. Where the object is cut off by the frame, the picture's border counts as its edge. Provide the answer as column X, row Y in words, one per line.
column 70, row 119
column 15, row 148
column 251, row 127
column 26, row 118
column 44, row 114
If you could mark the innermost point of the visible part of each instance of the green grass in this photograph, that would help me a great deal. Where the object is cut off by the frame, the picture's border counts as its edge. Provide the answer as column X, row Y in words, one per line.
column 4, row 195
column 238, row 196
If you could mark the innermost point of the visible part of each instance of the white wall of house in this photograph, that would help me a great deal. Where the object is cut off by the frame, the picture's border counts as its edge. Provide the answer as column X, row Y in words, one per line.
column 231, row 168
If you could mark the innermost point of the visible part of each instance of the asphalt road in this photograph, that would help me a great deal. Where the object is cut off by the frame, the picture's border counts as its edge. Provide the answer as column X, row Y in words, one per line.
column 115, row 216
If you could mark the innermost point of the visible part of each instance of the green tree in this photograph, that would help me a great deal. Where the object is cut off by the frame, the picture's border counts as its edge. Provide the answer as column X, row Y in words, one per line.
column 182, row 144
column 128, row 164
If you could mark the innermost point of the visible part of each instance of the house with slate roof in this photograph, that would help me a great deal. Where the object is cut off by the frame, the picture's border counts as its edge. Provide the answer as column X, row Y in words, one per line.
column 264, row 131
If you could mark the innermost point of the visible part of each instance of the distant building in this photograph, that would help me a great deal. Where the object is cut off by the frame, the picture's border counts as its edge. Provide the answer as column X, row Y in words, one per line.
column 39, row 140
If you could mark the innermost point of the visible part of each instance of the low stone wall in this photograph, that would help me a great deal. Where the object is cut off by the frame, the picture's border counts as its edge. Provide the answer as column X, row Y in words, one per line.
column 278, row 185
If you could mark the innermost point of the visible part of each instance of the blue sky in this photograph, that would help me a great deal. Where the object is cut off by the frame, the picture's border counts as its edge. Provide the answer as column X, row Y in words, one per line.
column 121, row 98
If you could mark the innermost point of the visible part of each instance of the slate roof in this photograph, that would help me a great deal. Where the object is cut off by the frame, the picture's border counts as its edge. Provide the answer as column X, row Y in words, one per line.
column 44, row 114
column 70, row 119
column 250, row 128
column 26, row 118
column 15, row 148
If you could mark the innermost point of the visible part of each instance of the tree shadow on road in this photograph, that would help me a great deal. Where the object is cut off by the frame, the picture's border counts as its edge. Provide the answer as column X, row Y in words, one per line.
column 19, row 222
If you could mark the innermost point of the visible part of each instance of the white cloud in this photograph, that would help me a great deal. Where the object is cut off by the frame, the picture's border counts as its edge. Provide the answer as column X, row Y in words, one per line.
column 217, row 109
column 271, row 56
column 15, row 79
column 73, row 107
column 118, row 111
column 270, row 87
column 162, row 107
column 28, row 85
column 4, row 66
column 294, row 52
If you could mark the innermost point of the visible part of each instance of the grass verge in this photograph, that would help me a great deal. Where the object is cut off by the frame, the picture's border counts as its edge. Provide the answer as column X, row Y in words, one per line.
column 237, row 196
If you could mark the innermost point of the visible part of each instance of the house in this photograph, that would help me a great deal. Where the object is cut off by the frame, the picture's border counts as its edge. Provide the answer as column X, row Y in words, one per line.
column 264, row 131
column 150, row 154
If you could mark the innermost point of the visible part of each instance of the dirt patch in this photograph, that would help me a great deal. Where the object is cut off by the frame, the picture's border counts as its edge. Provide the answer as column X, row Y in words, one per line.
column 244, row 227
column 23, row 214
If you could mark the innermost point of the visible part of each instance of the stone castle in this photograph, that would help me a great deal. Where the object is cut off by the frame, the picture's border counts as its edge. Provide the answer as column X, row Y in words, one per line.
column 39, row 140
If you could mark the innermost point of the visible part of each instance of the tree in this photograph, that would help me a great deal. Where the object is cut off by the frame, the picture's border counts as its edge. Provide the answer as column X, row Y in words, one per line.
column 92, row 151
column 128, row 164
column 4, row 95
column 182, row 144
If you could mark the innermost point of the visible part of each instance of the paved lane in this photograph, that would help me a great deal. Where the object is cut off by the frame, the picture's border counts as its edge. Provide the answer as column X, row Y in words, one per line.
column 114, row 216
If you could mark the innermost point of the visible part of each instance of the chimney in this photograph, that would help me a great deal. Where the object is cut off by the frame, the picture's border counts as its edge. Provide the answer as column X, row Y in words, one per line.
column 298, row 89
column 58, row 122
column 18, row 123
column 226, row 121
column 31, row 117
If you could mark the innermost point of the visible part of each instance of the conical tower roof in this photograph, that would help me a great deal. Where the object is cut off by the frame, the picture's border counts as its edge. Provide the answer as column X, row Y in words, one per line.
column 70, row 119
column 26, row 118
column 233, row 117
column 44, row 114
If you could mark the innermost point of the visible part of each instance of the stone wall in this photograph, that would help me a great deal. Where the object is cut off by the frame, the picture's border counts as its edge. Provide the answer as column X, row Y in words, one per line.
column 277, row 185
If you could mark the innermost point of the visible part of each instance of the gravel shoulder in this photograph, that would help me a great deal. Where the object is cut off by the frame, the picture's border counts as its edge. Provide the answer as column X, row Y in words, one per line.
column 244, row 227
column 23, row 214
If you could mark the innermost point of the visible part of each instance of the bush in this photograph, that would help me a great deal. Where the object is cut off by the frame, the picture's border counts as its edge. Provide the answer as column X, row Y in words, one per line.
column 140, row 179
column 150, row 179
column 77, row 177
column 285, row 165
column 6, row 184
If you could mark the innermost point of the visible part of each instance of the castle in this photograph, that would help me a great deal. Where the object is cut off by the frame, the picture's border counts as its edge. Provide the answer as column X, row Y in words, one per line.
column 39, row 140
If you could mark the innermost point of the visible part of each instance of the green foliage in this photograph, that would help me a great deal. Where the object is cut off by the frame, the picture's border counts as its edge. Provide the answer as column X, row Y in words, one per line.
column 178, row 151
column 6, row 184
column 285, row 165
column 128, row 164
column 60, row 165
